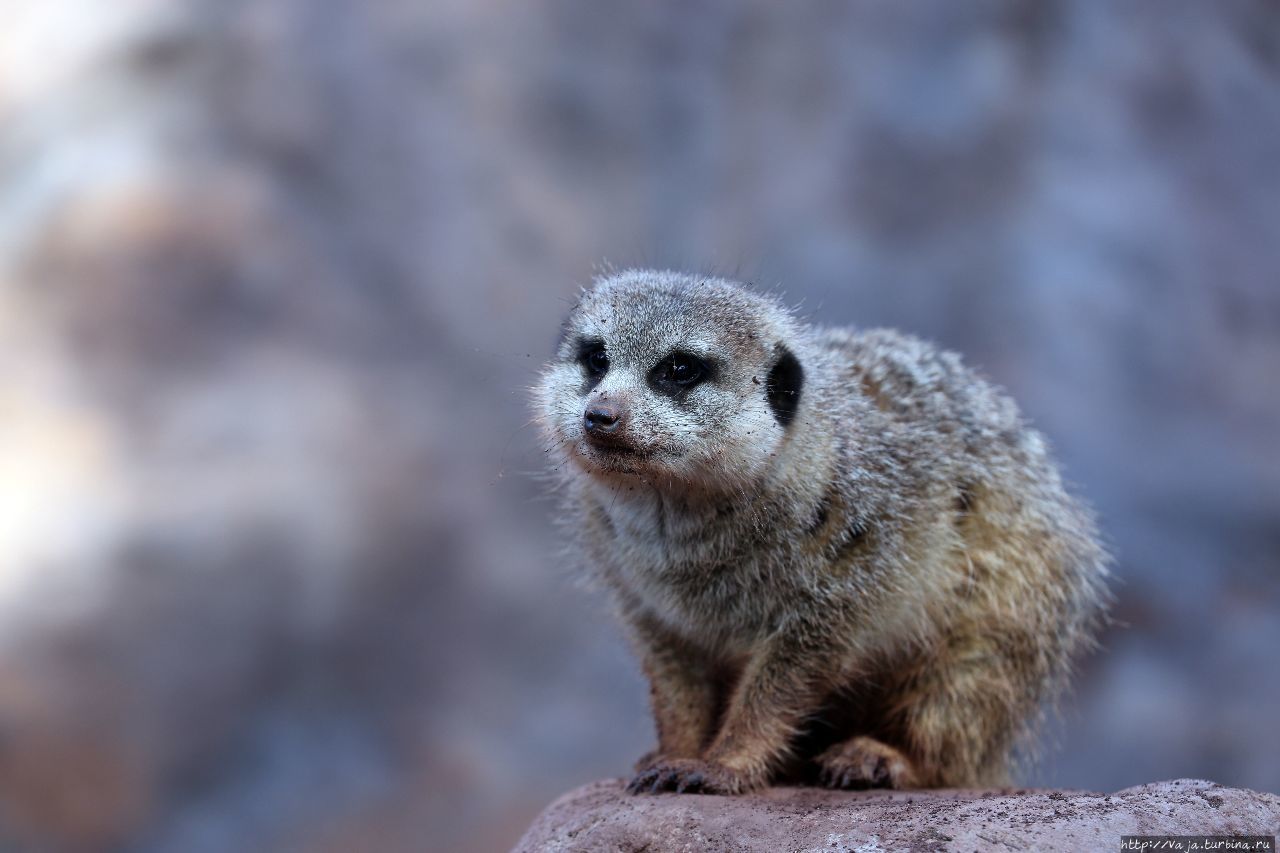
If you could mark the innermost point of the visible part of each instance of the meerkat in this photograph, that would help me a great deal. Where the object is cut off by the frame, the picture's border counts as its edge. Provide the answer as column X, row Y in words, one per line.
column 841, row 556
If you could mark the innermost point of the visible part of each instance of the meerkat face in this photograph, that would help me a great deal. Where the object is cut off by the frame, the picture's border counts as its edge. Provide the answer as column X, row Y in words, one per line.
column 672, row 378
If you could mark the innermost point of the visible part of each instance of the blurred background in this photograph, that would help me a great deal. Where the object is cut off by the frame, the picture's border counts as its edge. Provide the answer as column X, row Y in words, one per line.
column 276, row 571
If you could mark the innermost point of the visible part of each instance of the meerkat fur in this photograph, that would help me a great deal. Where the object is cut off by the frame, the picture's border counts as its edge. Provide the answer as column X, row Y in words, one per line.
column 840, row 555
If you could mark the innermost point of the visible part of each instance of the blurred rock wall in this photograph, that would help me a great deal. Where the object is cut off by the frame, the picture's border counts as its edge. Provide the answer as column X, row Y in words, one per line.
column 275, row 572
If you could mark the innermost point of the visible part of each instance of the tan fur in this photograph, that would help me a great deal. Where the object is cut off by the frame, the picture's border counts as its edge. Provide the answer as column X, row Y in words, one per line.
column 881, row 588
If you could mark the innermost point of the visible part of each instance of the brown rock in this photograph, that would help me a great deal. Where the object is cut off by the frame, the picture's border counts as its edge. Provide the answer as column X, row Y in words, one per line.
column 601, row 816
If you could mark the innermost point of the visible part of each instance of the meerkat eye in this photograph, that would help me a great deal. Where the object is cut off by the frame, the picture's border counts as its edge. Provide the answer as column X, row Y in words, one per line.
column 679, row 370
column 595, row 359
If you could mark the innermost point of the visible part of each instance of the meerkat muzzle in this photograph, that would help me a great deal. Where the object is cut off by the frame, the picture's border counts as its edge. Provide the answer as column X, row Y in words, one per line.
column 603, row 420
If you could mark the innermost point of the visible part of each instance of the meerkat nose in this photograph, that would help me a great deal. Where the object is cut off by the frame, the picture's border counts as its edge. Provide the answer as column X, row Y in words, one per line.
column 602, row 419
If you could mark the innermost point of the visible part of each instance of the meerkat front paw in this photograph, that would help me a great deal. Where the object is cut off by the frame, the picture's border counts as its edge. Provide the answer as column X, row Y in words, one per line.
column 864, row 762
column 691, row 776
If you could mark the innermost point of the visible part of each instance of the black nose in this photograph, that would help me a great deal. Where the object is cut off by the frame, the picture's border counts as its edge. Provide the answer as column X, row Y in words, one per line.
column 601, row 419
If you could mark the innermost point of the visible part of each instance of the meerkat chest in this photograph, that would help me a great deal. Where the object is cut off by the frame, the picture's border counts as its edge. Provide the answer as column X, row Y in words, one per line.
column 721, row 603
column 708, row 576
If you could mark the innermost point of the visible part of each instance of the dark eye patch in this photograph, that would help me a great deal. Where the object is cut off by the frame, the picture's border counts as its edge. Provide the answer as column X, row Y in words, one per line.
column 594, row 358
column 678, row 372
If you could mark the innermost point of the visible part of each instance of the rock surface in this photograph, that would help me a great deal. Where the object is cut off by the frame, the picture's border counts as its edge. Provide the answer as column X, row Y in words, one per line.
column 602, row 816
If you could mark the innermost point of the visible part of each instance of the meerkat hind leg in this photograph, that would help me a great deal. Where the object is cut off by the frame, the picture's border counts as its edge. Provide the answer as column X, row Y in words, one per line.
column 960, row 711
column 864, row 762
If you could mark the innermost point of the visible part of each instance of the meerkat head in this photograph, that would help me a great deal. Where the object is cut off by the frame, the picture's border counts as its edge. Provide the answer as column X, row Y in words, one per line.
column 673, row 378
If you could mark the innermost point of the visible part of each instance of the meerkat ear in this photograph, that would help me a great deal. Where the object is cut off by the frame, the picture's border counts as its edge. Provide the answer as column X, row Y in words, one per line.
column 782, row 389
